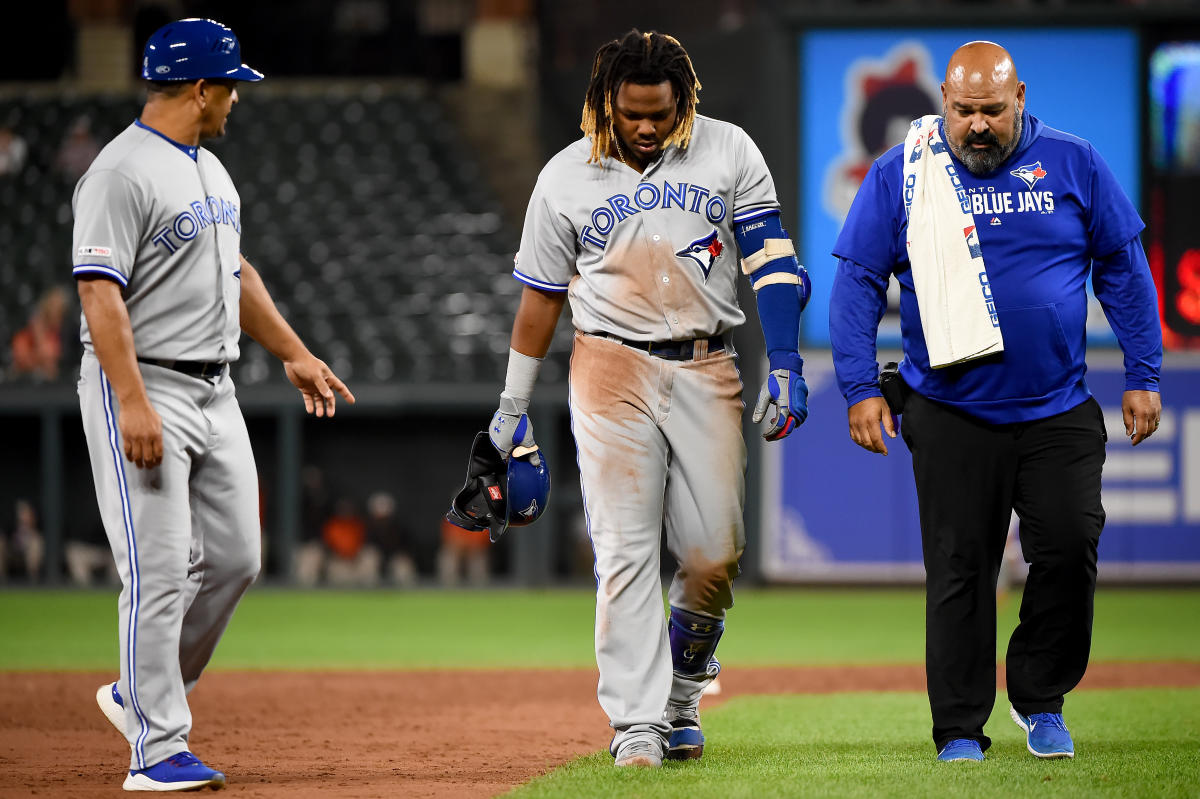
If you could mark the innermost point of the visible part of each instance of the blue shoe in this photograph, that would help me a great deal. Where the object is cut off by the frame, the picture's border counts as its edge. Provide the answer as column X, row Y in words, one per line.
column 961, row 749
column 181, row 772
column 1045, row 734
column 686, row 741
column 112, row 705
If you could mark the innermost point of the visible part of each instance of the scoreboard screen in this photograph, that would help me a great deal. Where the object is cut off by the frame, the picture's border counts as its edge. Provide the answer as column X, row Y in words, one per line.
column 1173, row 235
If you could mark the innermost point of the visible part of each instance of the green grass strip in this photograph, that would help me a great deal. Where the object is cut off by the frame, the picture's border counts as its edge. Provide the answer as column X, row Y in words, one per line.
column 1129, row 743
column 291, row 629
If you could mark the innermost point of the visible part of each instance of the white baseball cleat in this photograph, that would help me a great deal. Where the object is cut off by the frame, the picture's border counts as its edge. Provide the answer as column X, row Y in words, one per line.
column 112, row 705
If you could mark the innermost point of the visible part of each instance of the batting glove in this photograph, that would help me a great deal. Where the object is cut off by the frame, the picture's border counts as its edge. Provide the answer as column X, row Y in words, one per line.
column 511, row 432
column 786, row 391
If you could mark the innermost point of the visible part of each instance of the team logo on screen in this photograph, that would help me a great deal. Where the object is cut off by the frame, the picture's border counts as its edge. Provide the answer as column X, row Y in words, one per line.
column 704, row 252
column 883, row 96
column 1029, row 174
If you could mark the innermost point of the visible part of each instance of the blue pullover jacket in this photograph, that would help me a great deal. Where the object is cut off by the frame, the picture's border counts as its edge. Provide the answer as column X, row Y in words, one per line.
column 1047, row 216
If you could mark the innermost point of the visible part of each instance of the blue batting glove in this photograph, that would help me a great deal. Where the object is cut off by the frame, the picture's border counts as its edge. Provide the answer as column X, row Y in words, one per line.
column 785, row 391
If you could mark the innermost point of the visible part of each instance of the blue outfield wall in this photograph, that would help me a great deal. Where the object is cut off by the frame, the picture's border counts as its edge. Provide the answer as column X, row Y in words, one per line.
column 834, row 512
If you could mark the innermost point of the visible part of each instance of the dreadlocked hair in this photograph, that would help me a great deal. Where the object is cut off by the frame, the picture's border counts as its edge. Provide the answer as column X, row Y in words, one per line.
column 644, row 59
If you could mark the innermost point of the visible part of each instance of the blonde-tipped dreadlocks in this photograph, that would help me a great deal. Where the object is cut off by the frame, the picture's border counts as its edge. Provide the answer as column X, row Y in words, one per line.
column 644, row 59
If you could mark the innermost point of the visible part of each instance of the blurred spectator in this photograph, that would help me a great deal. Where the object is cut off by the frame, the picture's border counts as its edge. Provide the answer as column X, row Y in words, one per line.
column 315, row 507
column 348, row 562
column 389, row 541
column 78, row 150
column 13, row 151
column 462, row 549
column 25, row 546
column 37, row 347
column 90, row 558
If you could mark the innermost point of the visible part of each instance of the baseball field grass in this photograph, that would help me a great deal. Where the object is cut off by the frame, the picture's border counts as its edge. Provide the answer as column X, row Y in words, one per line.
column 289, row 629
column 1131, row 742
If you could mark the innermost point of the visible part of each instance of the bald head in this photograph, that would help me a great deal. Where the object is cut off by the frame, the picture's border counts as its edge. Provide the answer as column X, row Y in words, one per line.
column 982, row 102
column 981, row 67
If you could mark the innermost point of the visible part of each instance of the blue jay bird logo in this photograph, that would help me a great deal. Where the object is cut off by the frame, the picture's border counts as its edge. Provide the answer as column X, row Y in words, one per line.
column 1029, row 174
column 529, row 512
column 704, row 251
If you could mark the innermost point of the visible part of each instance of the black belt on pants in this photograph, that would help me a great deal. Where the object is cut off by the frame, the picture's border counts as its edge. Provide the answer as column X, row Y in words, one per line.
column 674, row 350
column 201, row 369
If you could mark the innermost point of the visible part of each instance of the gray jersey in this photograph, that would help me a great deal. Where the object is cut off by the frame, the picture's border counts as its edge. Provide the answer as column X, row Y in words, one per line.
column 651, row 256
column 184, row 534
column 168, row 229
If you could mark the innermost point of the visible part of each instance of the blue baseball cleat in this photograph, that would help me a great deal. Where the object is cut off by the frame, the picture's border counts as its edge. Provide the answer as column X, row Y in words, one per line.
column 686, row 741
column 1046, row 735
column 961, row 749
column 181, row 772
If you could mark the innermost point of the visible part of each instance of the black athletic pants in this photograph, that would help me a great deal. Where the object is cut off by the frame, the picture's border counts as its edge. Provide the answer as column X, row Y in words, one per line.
column 970, row 476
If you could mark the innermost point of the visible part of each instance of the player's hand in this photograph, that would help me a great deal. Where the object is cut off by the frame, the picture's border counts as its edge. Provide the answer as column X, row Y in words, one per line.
column 511, row 432
column 865, row 419
column 786, row 392
column 316, row 382
column 1142, row 411
column 141, row 430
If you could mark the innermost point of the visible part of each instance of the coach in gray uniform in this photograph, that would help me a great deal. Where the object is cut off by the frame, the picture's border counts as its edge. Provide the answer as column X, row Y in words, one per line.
column 166, row 295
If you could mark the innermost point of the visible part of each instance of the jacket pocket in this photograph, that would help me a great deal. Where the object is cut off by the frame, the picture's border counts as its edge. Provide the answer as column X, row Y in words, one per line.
column 1036, row 359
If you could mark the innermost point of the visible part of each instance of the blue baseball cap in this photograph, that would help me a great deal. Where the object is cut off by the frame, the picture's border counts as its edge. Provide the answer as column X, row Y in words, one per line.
column 191, row 49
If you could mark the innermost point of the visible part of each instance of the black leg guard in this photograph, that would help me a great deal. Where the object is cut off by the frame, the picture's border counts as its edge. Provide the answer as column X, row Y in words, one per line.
column 693, row 641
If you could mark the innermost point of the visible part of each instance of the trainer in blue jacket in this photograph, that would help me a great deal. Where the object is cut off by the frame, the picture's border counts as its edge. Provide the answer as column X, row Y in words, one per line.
column 1015, row 429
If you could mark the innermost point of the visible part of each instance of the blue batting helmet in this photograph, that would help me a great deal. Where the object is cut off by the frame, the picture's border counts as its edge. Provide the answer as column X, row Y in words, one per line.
column 191, row 49
column 499, row 494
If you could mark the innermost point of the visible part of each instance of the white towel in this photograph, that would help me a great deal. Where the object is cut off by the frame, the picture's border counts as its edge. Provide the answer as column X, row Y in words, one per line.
column 953, row 294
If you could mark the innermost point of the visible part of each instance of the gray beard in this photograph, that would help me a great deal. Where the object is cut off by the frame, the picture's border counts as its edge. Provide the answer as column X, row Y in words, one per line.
column 981, row 162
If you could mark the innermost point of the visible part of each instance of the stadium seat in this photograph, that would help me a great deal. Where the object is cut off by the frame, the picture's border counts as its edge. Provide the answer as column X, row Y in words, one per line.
column 366, row 215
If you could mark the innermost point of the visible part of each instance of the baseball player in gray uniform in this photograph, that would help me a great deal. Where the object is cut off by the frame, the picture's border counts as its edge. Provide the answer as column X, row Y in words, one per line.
column 166, row 295
column 637, row 224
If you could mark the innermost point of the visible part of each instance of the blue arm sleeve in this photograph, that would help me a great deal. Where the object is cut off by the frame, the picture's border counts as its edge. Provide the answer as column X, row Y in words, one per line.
column 779, row 304
column 1125, row 289
column 779, row 316
column 857, row 301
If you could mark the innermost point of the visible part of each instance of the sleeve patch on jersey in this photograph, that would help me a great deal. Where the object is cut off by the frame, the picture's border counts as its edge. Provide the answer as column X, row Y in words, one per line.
column 101, row 252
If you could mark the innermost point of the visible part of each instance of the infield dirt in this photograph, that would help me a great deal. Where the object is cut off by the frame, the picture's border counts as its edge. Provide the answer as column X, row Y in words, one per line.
column 369, row 734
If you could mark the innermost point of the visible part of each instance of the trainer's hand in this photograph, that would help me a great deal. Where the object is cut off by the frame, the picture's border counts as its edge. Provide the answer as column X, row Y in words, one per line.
column 786, row 392
column 1142, row 411
column 316, row 383
column 865, row 418
column 511, row 432
column 141, row 430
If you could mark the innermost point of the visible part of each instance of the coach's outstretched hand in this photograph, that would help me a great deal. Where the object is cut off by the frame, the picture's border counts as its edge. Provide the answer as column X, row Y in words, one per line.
column 786, row 392
column 316, row 382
